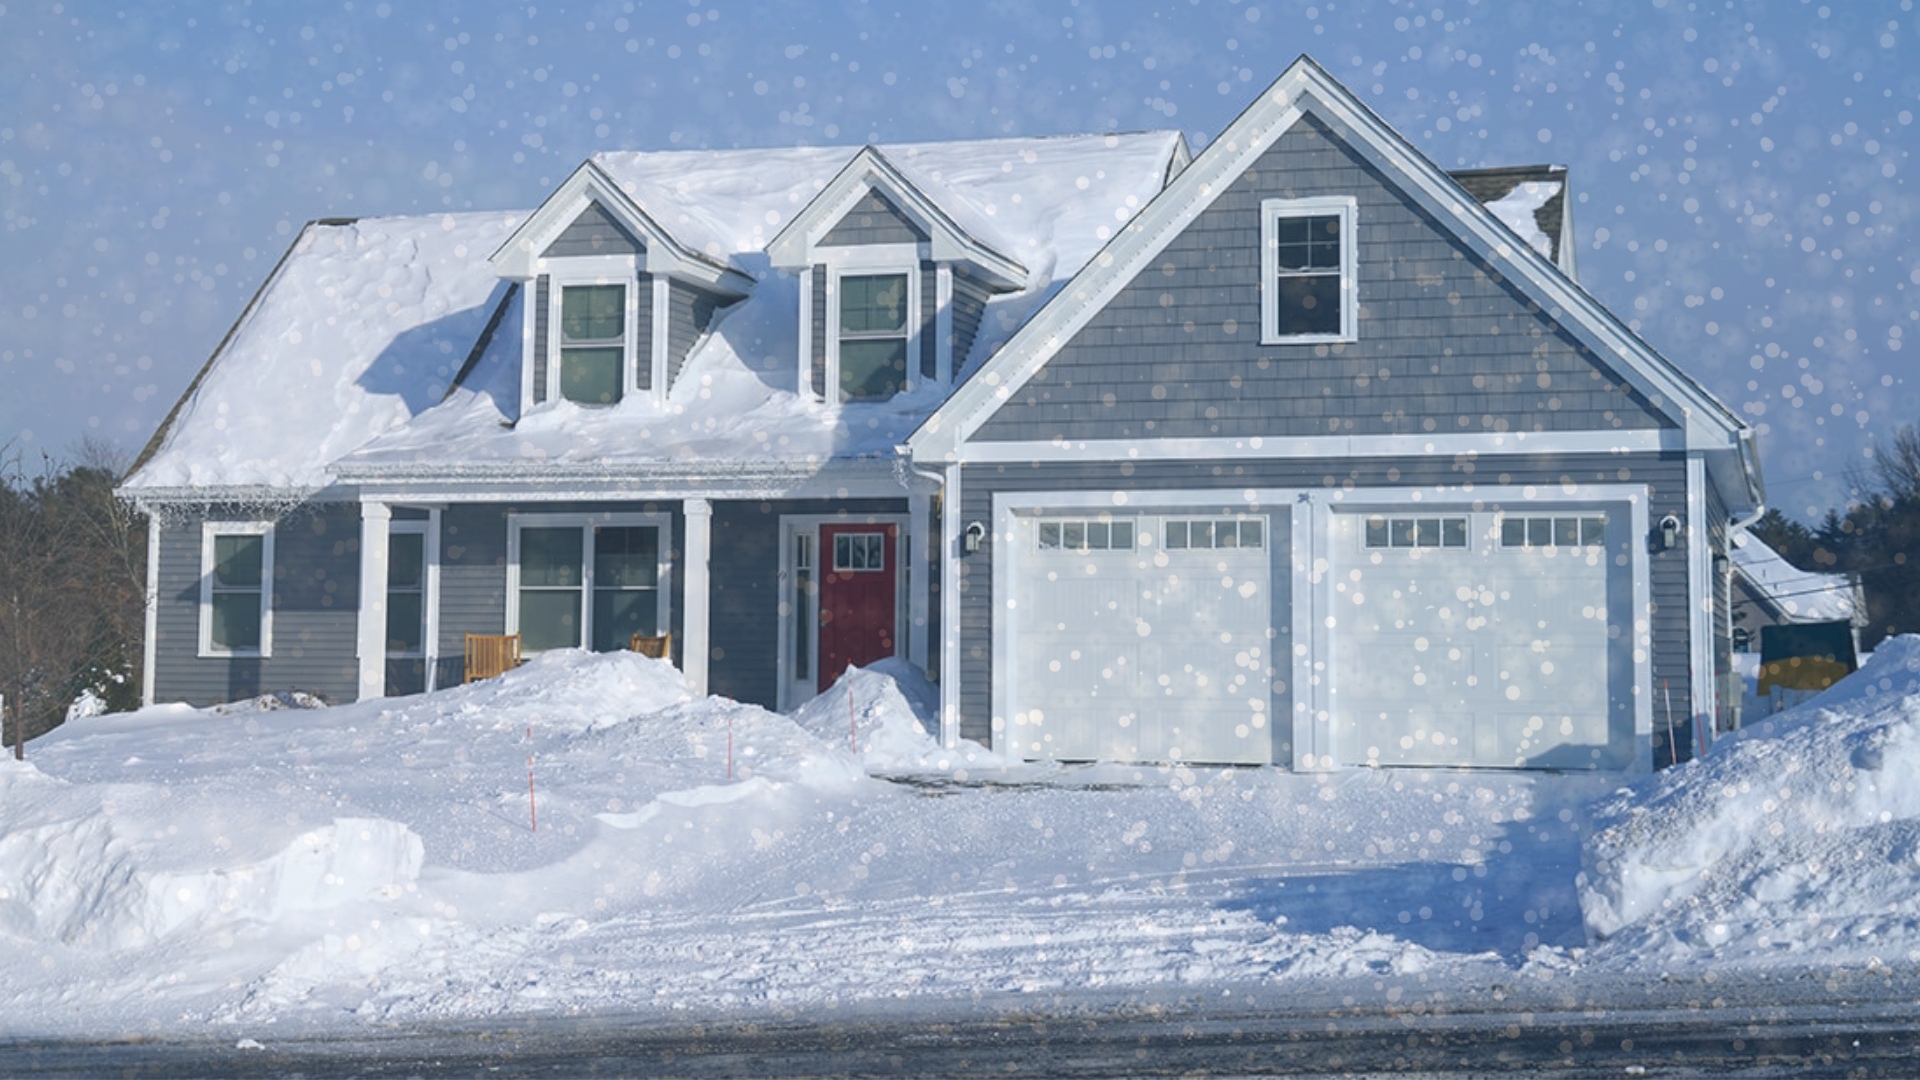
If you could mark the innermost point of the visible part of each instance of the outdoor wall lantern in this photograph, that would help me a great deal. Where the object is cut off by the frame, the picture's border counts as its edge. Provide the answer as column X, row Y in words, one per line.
column 976, row 532
column 1669, row 533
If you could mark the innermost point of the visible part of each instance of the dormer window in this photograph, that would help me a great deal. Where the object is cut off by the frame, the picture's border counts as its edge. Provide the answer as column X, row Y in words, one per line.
column 874, row 333
column 593, row 343
column 1307, row 257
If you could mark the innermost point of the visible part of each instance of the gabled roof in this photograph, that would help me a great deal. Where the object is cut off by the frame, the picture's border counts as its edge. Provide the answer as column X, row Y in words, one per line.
column 519, row 256
column 1306, row 87
column 935, row 208
column 1792, row 595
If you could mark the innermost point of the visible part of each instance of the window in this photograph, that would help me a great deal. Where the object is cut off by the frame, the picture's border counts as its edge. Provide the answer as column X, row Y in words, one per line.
column 859, row 551
column 1523, row 532
column 803, row 620
column 1086, row 535
column 593, row 350
column 236, row 588
column 874, row 335
column 406, row 589
column 1416, row 532
column 586, row 581
column 1245, row 533
column 1307, row 270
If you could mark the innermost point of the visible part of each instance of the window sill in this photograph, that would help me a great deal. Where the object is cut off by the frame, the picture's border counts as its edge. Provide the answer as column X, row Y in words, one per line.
column 1310, row 339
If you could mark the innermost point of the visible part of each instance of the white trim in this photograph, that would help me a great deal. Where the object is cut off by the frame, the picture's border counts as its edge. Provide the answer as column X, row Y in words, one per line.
column 660, row 336
column 869, row 170
column 371, row 622
column 430, row 646
column 1707, row 422
column 150, row 643
column 915, row 568
column 587, row 522
column 805, row 385
column 609, row 482
column 944, row 363
column 1642, row 440
column 209, row 530
column 1314, row 691
column 788, row 695
column 949, row 559
column 528, row 318
column 872, row 264
column 1272, row 211
column 1700, row 666
column 600, row 270
column 696, row 623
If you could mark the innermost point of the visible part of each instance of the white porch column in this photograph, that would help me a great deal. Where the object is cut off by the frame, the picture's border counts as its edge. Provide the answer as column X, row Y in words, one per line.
column 920, row 575
column 696, row 641
column 374, row 518
column 950, row 611
column 430, row 596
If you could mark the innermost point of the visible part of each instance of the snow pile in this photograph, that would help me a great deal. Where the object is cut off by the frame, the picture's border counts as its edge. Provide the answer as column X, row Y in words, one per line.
column 581, row 835
column 1798, row 836
column 1519, row 210
column 889, row 713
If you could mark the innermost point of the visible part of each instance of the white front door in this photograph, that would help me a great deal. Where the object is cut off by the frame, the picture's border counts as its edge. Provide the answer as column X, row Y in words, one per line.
column 1142, row 637
column 1478, row 638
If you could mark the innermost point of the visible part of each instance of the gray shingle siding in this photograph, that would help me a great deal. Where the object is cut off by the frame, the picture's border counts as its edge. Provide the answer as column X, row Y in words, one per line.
column 316, row 593
column 1665, row 474
column 689, row 314
column 929, row 311
column 745, row 576
column 1446, row 344
column 969, row 308
column 594, row 232
column 817, row 348
column 643, row 332
column 542, row 294
column 874, row 220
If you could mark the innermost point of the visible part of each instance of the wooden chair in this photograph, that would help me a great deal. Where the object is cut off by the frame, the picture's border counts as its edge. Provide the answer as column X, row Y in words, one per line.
column 491, row 654
column 658, row 646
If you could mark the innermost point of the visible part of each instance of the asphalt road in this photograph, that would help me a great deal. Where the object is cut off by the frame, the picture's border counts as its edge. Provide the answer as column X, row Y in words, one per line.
column 1761, row 1038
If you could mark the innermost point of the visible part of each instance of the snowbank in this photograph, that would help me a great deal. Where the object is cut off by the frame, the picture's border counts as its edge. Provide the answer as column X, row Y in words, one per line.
column 1798, row 836
column 580, row 835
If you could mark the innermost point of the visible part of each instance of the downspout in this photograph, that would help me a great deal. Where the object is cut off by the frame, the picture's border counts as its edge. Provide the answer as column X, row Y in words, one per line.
column 1736, row 524
column 949, row 590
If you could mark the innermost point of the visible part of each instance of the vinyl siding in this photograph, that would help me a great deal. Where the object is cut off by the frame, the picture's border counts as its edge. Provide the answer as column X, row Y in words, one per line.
column 316, row 590
column 873, row 220
column 1446, row 344
column 929, row 311
column 1665, row 475
column 969, row 309
column 643, row 331
column 594, row 232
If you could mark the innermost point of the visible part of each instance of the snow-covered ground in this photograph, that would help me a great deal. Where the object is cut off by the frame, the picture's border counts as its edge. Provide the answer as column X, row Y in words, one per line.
column 260, row 864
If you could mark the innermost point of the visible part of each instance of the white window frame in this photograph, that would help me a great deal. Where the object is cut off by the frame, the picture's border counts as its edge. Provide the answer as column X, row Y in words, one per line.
column 1272, row 212
column 208, row 531
column 588, row 522
column 414, row 527
column 870, row 260
column 595, row 270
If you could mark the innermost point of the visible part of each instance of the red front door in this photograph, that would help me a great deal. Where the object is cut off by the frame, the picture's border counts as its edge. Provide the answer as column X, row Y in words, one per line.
column 856, row 597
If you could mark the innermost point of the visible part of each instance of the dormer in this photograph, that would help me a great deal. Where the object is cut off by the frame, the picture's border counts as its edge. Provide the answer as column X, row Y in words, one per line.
column 893, row 281
column 614, row 303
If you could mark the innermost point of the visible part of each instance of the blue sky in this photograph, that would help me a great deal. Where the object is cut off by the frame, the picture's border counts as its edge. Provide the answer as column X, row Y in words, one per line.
column 1740, row 169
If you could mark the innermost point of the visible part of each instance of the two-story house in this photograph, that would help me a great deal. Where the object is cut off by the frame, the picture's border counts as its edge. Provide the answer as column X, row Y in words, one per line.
column 1299, row 451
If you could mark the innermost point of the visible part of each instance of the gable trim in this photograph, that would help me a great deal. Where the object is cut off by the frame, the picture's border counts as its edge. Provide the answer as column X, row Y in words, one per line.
column 794, row 247
column 1707, row 423
column 520, row 257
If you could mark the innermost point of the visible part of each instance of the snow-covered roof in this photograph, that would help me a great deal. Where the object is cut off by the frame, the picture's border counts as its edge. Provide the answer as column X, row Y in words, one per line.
column 1800, row 595
column 360, row 328
column 338, row 371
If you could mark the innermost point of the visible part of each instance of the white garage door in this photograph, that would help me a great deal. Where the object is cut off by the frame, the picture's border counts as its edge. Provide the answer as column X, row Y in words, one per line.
column 1479, row 639
column 1142, row 638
